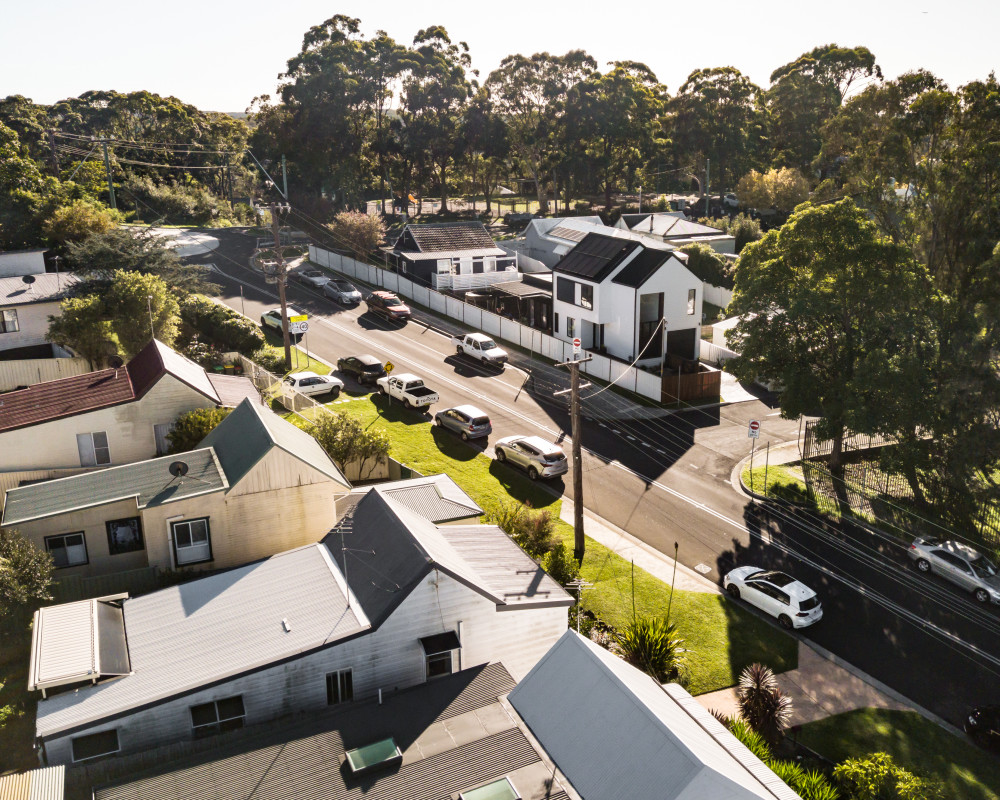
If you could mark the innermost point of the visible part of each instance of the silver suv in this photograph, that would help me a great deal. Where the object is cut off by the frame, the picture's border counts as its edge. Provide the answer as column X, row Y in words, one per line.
column 959, row 564
column 540, row 458
column 467, row 421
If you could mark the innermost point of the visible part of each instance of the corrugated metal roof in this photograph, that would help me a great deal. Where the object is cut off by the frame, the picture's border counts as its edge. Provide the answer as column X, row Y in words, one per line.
column 215, row 627
column 150, row 482
column 672, row 227
column 303, row 759
column 434, row 497
column 250, row 431
column 480, row 252
column 631, row 733
column 46, row 288
column 65, row 397
column 233, row 389
column 76, row 642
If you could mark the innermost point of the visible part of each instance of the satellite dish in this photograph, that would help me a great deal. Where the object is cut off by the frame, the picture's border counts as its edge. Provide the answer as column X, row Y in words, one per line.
column 28, row 279
column 178, row 469
column 115, row 362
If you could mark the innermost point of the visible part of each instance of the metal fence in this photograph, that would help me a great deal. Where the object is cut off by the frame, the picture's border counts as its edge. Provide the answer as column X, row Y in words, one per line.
column 27, row 372
column 635, row 380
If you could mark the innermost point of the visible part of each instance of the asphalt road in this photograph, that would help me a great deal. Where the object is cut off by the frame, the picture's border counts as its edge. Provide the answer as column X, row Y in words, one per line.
column 669, row 480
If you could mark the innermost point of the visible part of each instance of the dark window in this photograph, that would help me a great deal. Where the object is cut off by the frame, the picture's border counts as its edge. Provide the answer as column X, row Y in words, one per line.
column 586, row 295
column 67, row 549
column 570, row 327
column 94, row 449
column 192, row 541
column 8, row 321
column 691, row 298
column 124, row 535
column 95, row 745
column 218, row 716
column 339, row 687
column 808, row 603
column 566, row 290
column 439, row 664
column 555, row 322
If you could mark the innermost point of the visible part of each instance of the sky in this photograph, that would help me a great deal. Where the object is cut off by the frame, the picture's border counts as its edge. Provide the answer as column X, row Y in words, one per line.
column 220, row 54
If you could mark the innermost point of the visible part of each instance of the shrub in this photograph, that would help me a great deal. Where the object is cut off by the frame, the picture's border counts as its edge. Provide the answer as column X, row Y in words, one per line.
column 763, row 705
column 878, row 777
column 752, row 740
column 193, row 426
column 708, row 265
column 653, row 645
column 560, row 564
column 25, row 576
column 346, row 441
column 532, row 530
column 221, row 324
column 270, row 358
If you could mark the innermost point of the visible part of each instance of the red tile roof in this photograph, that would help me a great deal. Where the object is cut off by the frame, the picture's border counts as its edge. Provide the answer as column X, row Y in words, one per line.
column 65, row 397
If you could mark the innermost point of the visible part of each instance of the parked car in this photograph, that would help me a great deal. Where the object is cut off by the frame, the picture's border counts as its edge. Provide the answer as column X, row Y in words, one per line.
column 310, row 277
column 272, row 319
column 365, row 368
column 730, row 200
column 468, row 422
column 387, row 305
column 312, row 384
column 409, row 389
column 541, row 459
column 342, row 292
column 960, row 564
column 480, row 347
column 983, row 725
column 791, row 602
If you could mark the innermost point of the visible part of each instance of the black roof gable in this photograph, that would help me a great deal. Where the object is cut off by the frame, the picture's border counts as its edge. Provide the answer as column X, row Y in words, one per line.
column 596, row 257
column 641, row 268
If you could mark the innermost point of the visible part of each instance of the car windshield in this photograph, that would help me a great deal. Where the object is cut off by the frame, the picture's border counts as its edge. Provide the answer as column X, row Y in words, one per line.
column 481, row 421
column 984, row 568
column 808, row 603
column 487, row 344
column 313, row 273
column 392, row 301
column 373, row 367
column 777, row 578
column 344, row 287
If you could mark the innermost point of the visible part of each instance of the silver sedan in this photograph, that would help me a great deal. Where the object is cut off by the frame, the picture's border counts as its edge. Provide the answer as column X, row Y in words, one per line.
column 960, row 564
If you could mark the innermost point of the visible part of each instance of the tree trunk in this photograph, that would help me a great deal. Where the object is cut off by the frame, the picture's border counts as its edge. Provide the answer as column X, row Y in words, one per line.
column 543, row 200
column 836, row 465
column 444, row 188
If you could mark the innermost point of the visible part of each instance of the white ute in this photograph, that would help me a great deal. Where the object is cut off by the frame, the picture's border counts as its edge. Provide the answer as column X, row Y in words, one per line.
column 409, row 389
column 480, row 347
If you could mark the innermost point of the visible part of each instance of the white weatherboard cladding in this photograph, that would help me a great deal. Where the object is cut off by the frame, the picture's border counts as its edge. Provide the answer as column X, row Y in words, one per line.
column 390, row 658
column 32, row 324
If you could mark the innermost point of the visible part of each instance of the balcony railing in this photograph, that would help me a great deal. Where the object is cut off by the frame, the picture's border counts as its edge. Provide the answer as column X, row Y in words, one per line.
column 474, row 280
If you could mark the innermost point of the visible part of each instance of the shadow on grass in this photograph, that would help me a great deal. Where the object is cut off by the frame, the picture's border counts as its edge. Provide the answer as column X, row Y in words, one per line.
column 17, row 732
column 451, row 446
column 392, row 411
column 523, row 489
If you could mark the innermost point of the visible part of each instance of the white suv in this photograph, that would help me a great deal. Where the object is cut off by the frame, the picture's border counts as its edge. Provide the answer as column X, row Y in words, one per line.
column 540, row 458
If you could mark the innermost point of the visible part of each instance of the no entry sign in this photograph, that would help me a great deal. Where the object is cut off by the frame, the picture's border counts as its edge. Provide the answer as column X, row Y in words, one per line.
column 753, row 431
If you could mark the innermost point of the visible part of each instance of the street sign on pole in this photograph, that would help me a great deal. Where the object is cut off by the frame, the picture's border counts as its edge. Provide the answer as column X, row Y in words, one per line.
column 753, row 431
column 576, row 346
column 298, row 327
column 299, row 318
column 389, row 367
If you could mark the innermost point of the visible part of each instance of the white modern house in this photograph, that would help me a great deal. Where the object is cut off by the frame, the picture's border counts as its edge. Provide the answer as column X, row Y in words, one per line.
column 387, row 600
column 672, row 227
column 628, row 296
column 550, row 238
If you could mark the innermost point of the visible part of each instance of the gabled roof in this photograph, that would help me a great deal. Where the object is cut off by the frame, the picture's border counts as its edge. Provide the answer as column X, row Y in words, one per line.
column 596, row 256
column 656, row 741
column 451, row 236
column 436, row 498
column 247, row 435
column 156, row 360
column 668, row 226
column 213, row 628
column 149, row 482
column 389, row 549
column 233, row 389
column 45, row 288
column 642, row 267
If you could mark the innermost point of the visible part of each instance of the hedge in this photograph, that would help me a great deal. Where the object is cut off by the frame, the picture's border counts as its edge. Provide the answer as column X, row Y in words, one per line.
column 221, row 324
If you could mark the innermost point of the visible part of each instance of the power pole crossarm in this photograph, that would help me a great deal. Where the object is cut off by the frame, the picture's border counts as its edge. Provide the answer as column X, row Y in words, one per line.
column 577, row 434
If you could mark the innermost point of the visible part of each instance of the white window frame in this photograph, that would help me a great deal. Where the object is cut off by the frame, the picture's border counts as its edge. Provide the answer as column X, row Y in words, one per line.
column 194, row 557
column 211, row 728
column 89, row 449
column 692, row 300
column 83, row 538
column 75, row 739
column 435, row 657
column 8, row 321
column 335, row 687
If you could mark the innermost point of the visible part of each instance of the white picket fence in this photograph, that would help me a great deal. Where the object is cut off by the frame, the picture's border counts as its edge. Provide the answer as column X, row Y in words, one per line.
column 28, row 372
column 635, row 380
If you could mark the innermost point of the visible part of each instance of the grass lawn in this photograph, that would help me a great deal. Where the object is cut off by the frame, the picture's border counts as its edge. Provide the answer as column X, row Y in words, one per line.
column 720, row 636
column 300, row 361
column 916, row 744
column 17, row 707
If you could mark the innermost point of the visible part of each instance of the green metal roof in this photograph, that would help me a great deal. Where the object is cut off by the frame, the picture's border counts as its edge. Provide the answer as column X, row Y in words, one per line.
column 149, row 482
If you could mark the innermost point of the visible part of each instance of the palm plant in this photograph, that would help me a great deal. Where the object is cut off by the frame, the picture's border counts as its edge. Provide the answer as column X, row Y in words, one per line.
column 653, row 645
column 763, row 705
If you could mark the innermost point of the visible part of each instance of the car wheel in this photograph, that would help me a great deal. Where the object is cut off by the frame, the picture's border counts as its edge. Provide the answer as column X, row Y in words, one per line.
column 458, row 351
column 435, row 421
column 263, row 322
column 335, row 393
column 381, row 390
column 982, row 595
column 734, row 591
column 501, row 456
column 924, row 565
column 785, row 622
column 407, row 403
column 533, row 473
column 465, row 436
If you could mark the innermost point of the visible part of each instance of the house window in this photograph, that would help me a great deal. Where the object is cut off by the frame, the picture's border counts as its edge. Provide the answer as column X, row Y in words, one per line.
column 555, row 322
column 192, row 541
column 566, row 290
column 339, row 687
column 691, row 296
column 95, row 745
column 160, row 436
column 438, row 653
column 124, row 535
column 94, row 449
column 8, row 321
column 438, row 665
column 218, row 716
column 586, row 295
column 570, row 327
column 67, row 549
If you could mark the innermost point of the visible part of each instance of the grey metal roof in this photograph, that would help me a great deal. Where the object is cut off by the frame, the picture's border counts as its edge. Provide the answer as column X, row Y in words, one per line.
column 46, row 288
column 632, row 732
column 149, row 482
column 454, row 734
column 233, row 389
column 669, row 226
column 213, row 628
column 434, row 497
column 251, row 430
column 519, row 289
column 565, row 232
column 47, row 783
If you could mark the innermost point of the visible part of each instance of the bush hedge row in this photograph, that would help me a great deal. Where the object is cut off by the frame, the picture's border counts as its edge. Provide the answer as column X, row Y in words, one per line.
column 221, row 324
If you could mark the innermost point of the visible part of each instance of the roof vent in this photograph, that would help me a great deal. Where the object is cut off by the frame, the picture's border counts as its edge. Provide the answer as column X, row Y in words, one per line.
column 178, row 469
column 286, row 626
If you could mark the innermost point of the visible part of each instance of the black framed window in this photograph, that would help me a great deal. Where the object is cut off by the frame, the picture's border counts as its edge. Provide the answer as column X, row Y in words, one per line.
column 555, row 322
column 339, row 687
column 124, row 535
column 95, row 745
column 8, row 321
column 192, row 541
column 218, row 716
column 570, row 327
column 691, row 298
column 67, row 549
column 586, row 295
column 566, row 290
column 439, row 664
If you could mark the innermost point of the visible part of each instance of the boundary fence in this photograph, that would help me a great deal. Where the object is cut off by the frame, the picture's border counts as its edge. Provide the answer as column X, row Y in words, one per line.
column 646, row 384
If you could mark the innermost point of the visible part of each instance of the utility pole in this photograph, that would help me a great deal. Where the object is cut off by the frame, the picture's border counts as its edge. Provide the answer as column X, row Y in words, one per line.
column 55, row 158
column 107, row 170
column 708, row 194
column 276, row 229
column 284, row 176
column 574, row 393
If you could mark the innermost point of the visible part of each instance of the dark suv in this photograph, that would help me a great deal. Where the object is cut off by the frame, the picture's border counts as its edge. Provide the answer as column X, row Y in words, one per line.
column 387, row 305
column 365, row 368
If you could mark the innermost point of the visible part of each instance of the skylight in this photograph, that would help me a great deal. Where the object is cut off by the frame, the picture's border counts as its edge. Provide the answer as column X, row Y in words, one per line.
column 374, row 755
column 502, row 789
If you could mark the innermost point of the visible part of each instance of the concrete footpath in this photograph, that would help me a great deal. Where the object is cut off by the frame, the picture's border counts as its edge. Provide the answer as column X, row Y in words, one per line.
column 821, row 686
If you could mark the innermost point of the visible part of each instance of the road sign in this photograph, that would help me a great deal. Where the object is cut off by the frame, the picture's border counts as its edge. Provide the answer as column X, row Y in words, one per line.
column 576, row 345
column 298, row 327
column 754, row 430
column 389, row 367
column 299, row 318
